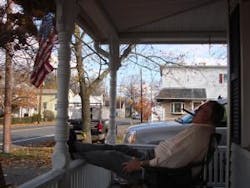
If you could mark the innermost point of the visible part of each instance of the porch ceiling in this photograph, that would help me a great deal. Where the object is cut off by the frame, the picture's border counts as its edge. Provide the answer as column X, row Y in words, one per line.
column 155, row 21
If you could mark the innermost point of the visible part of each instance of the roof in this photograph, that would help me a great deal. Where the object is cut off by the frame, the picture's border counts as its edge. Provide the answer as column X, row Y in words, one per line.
column 154, row 21
column 182, row 93
column 186, row 66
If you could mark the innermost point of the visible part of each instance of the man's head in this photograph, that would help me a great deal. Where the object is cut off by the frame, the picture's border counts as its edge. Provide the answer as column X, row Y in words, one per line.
column 211, row 112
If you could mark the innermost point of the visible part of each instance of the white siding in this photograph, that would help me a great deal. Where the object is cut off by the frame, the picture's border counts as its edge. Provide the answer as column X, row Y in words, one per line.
column 196, row 77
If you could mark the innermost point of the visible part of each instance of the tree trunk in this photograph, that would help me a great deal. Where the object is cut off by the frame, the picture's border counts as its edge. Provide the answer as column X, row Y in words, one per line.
column 7, row 102
column 7, row 93
column 84, row 93
column 86, row 120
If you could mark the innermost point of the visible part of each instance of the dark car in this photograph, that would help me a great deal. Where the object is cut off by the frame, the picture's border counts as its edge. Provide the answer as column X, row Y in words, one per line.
column 1, row 113
column 99, row 129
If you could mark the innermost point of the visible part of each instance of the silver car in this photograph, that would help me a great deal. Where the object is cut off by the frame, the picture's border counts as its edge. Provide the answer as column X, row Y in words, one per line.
column 154, row 132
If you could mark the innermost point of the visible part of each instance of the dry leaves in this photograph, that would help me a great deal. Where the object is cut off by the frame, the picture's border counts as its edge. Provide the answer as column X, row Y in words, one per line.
column 38, row 156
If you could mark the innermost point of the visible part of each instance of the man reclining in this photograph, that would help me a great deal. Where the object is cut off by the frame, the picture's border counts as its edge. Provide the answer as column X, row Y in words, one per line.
column 190, row 145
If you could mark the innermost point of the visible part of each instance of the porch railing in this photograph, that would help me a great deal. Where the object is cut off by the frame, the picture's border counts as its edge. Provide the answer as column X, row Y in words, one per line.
column 216, row 172
column 81, row 174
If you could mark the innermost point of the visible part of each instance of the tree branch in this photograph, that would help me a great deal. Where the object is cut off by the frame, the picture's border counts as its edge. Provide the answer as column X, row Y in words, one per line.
column 127, row 51
column 101, row 51
column 98, row 80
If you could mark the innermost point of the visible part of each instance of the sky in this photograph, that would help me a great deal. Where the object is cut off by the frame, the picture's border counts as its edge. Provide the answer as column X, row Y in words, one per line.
column 191, row 55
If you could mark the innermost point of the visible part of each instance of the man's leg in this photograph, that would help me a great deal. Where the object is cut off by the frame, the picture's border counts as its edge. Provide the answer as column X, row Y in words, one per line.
column 126, row 149
column 113, row 161
column 145, row 154
column 75, row 147
column 85, row 147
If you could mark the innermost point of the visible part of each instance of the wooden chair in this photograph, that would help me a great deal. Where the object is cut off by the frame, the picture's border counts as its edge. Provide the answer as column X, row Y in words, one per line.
column 160, row 177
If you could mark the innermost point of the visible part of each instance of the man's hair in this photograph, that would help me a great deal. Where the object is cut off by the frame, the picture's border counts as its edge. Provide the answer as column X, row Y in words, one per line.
column 217, row 112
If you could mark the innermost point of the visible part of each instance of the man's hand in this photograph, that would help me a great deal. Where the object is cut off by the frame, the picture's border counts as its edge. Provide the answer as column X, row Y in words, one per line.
column 131, row 166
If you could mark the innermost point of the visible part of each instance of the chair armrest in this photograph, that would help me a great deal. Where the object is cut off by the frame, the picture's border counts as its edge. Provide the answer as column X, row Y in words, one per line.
column 184, row 169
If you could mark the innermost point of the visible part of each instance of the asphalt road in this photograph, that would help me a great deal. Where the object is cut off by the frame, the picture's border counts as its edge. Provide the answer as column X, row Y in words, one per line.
column 28, row 135
column 31, row 134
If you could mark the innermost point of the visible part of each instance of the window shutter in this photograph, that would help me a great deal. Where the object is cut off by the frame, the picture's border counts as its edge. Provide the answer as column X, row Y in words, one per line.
column 220, row 78
column 235, row 82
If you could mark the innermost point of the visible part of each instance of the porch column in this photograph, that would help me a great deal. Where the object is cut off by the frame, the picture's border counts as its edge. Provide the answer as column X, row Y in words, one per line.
column 65, row 24
column 115, row 63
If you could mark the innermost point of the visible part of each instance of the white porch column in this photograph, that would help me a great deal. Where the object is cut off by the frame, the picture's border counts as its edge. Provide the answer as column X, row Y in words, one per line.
column 65, row 24
column 114, row 65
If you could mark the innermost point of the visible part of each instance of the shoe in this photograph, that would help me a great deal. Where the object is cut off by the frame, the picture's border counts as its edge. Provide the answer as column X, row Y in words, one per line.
column 71, row 141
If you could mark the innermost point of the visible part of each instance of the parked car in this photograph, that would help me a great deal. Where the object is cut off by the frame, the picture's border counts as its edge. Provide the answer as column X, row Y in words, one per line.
column 99, row 129
column 136, row 116
column 155, row 132
column 99, row 125
column 1, row 113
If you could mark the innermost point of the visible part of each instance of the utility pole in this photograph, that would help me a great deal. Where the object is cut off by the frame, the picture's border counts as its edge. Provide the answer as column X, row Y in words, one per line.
column 141, row 98
column 40, row 104
column 151, row 96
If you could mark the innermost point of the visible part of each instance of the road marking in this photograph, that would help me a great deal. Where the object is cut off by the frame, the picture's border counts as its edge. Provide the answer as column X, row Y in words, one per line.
column 33, row 129
column 34, row 138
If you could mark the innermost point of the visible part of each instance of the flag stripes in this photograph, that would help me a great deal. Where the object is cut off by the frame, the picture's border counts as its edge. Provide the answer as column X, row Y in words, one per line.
column 42, row 65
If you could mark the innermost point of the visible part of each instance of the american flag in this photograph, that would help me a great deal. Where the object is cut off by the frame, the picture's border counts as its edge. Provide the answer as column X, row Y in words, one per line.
column 47, row 38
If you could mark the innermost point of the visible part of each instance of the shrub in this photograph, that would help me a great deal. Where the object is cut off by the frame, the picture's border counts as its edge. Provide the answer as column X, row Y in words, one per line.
column 36, row 117
column 48, row 115
column 21, row 120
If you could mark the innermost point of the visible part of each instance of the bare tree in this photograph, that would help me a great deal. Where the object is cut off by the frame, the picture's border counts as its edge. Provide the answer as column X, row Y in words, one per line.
column 87, row 84
column 15, row 31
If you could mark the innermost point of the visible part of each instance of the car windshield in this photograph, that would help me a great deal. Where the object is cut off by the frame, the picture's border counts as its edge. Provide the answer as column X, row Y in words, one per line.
column 187, row 118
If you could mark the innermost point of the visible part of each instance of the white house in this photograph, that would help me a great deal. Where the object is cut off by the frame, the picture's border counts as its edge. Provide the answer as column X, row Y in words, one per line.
column 185, row 86
column 212, row 78
column 96, row 103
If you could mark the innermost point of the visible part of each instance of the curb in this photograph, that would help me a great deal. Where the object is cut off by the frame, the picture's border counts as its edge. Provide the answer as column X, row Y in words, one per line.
column 20, row 126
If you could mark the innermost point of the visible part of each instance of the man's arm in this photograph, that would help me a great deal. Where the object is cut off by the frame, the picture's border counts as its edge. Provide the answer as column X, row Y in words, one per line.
column 134, row 165
column 144, row 163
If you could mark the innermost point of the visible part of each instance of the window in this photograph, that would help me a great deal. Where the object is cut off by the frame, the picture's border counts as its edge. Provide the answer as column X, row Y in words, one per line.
column 44, row 105
column 196, row 104
column 222, row 78
column 176, row 107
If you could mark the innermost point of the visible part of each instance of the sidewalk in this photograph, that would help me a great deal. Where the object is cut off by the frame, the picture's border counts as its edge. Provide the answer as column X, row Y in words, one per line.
column 16, row 126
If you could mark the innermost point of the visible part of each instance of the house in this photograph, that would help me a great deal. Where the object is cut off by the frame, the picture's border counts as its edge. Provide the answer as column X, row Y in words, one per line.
column 187, row 86
column 47, row 100
column 97, row 102
column 121, row 106
column 212, row 78
column 173, row 100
